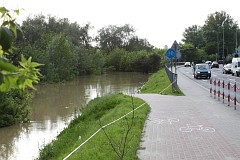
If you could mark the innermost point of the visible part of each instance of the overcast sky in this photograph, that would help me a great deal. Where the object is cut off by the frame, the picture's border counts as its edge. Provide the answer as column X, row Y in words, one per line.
column 159, row 21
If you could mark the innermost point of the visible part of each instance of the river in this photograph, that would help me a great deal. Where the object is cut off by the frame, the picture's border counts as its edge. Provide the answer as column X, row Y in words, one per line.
column 55, row 105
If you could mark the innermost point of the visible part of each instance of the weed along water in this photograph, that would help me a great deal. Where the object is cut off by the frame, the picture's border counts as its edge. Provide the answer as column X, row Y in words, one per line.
column 55, row 105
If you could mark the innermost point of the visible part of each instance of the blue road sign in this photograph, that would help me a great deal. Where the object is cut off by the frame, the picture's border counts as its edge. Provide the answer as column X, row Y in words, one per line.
column 236, row 51
column 170, row 53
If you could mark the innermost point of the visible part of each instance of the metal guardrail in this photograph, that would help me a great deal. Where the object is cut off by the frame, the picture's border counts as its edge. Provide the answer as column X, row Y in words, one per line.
column 172, row 77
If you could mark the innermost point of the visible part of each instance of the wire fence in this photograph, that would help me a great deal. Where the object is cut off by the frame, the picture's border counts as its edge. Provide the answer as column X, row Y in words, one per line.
column 100, row 130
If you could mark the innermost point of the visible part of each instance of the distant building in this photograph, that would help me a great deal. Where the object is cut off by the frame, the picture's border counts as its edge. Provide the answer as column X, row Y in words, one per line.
column 165, row 47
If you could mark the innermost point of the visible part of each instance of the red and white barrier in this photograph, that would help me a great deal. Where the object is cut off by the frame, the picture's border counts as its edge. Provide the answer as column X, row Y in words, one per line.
column 217, row 88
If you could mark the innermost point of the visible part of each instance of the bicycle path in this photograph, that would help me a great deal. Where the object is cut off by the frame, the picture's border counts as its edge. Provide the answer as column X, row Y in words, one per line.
column 192, row 127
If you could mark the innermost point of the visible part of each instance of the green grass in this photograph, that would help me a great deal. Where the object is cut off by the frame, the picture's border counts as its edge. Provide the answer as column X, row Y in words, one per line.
column 106, row 109
column 159, row 83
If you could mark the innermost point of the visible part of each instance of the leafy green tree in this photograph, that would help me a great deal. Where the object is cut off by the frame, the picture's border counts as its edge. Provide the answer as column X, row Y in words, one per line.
column 78, row 35
column 98, row 62
column 114, row 58
column 138, row 44
column 213, row 29
column 112, row 37
column 47, row 29
column 16, row 73
column 61, row 60
column 11, row 76
column 33, row 28
column 193, row 35
column 14, row 107
column 190, row 53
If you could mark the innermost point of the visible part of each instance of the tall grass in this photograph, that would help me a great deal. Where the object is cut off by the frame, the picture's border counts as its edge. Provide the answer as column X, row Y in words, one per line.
column 159, row 83
column 106, row 109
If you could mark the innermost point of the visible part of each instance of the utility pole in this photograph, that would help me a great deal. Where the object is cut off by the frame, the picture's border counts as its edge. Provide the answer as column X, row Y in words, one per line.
column 236, row 40
column 223, row 56
column 218, row 45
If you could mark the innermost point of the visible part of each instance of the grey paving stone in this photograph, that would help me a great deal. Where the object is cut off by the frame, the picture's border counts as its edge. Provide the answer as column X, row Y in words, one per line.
column 191, row 127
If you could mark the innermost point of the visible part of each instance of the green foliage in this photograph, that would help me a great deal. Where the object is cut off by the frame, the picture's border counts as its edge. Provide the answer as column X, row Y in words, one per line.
column 193, row 35
column 64, row 57
column 11, row 76
column 74, row 56
column 216, row 24
column 107, row 109
column 60, row 60
column 112, row 37
column 138, row 44
column 159, row 82
column 209, row 37
column 19, row 78
column 114, row 59
column 14, row 107
column 192, row 54
column 6, row 38
column 138, row 61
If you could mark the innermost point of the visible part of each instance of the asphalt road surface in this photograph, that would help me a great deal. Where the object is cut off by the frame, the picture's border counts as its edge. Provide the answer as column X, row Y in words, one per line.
column 218, row 75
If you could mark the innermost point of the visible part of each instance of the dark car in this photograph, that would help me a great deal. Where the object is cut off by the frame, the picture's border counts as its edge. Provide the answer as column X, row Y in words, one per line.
column 214, row 64
column 220, row 61
column 227, row 68
column 201, row 70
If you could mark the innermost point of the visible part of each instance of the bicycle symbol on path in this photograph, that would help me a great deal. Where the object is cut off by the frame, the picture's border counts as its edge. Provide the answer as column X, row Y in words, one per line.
column 161, row 121
column 197, row 127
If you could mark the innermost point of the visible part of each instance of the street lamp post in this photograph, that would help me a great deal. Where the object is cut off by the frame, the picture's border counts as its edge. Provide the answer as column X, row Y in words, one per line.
column 223, row 41
column 217, row 46
column 236, row 40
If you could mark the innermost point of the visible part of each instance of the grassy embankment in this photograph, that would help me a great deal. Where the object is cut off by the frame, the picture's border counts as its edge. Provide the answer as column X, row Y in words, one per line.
column 107, row 109
column 159, row 83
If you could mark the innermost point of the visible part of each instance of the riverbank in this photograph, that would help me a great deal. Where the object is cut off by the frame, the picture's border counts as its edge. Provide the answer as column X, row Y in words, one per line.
column 100, row 112
column 118, row 136
column 159, row 83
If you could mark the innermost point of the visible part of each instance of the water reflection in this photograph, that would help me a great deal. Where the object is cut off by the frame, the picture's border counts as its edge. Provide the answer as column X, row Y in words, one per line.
column 53, row 108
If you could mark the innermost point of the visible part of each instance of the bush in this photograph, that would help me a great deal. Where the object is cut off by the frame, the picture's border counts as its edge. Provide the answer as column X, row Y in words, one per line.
column 14, row 107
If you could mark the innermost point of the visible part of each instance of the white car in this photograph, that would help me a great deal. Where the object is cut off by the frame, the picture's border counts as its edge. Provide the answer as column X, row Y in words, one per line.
column 187, row 64
column 227, row 68
column 209, row 62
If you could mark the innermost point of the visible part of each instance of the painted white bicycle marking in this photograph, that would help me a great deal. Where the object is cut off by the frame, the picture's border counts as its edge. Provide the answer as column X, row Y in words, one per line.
column 161, row 121
column 197, row 127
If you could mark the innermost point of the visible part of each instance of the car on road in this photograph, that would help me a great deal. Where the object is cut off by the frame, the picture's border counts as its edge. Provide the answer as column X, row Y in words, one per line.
column 187, row 64
column 214, row 64
column 236, row 66
column 201, row 70
column 220, row 61
column 227, row 69
column 208, row 62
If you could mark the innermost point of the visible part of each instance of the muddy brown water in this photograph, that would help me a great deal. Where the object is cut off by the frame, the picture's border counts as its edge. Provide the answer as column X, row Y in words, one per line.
column 55, row 105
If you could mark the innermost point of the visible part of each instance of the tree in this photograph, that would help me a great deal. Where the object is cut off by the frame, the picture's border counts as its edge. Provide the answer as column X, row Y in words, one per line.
column 193, row 35
column 190, row 53
column 215, row 26
column 12, row 76
column 112, row 36
column 61, row 60
column 138, row 44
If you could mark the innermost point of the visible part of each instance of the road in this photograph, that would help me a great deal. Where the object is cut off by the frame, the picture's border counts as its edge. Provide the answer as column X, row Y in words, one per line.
column 190, row 127
column 218, row 75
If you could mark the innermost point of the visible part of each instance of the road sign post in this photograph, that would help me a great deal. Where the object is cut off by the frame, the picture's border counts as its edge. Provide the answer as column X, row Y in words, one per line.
column 176, row 48
column 170, row 54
